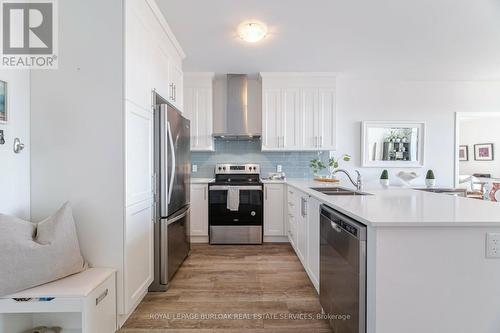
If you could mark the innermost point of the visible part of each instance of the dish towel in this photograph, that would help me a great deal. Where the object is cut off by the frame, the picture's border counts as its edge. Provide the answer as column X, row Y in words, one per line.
column 233, row 198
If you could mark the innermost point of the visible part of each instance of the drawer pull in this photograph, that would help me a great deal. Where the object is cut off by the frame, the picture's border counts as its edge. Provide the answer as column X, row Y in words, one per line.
column 101, row 297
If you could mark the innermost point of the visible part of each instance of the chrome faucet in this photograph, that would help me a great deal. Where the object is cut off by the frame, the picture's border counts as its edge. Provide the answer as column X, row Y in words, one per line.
column 359, row 180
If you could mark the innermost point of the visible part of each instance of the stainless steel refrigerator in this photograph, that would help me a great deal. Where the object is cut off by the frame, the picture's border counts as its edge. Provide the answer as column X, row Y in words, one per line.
column 172, row 202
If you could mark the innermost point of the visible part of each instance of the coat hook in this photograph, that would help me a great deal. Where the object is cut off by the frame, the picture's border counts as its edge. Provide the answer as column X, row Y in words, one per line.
column 18, row 146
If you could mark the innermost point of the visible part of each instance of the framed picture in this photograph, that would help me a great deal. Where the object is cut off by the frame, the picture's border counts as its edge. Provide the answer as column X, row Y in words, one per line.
column 463, row 153
column 483, row 152
column 3, row 101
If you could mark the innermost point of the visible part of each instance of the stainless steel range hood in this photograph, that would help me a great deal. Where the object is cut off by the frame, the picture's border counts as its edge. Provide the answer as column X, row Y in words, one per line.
column 237, row 124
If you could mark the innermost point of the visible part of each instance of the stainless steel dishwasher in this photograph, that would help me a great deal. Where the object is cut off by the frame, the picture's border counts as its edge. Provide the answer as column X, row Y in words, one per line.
column 343, row 271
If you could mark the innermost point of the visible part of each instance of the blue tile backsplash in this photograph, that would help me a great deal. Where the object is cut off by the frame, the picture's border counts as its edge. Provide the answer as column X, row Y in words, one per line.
column 294, row 164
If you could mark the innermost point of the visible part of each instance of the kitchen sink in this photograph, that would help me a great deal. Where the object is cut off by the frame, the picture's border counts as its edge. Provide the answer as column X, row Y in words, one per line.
column 337, row 191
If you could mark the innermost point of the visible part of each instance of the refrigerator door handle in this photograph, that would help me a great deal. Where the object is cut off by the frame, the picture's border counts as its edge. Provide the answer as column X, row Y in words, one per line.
column 172, row 172
column 178, row 217
column 163, row 252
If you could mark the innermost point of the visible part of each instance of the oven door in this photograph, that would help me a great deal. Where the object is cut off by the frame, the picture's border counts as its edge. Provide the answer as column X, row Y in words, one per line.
column 243, row 226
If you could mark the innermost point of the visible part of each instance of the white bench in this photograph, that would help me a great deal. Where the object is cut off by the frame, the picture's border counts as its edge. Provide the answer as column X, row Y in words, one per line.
column 83, row 302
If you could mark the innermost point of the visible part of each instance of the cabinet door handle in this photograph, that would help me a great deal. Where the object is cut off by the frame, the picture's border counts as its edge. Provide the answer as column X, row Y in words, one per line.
column 101, row 297
column 321, row 141
column 175, row 93
column 171, row 85
column 205, row 194
column 265, row 193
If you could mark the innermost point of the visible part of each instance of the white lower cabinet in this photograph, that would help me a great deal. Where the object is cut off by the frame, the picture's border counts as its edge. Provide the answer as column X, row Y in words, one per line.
column 199, row 213
column 301, row 213
column 291, row 216
column 313, row 212
column 303, row 230
column 274, row 200
column 139, row 256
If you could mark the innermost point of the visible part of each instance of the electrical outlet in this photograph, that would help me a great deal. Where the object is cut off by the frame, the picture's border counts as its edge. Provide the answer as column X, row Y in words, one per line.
column 194, row 168
column 278, row 168
column 492, row 245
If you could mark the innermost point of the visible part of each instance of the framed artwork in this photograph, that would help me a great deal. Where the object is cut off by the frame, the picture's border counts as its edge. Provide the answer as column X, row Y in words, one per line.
column 483, row 152
column 3, row 101
column 463, row 153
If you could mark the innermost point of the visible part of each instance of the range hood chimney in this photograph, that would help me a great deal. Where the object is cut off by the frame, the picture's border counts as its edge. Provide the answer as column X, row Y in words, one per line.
column 237, row 124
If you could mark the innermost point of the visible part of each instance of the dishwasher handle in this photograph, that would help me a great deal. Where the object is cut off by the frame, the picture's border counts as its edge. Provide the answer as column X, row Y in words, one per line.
column 341, row 222
column 335, row 226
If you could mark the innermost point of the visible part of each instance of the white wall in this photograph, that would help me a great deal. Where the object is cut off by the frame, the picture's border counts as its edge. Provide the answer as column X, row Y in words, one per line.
column 15, row 168
column 434, row 102
column 482, row 130
column 77, row 129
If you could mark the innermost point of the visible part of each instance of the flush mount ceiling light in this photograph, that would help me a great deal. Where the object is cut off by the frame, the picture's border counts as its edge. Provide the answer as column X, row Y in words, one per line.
column 252, row 31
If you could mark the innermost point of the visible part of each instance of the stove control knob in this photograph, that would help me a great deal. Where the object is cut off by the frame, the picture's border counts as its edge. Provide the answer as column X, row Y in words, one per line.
column 253, row 213
column 224, row 168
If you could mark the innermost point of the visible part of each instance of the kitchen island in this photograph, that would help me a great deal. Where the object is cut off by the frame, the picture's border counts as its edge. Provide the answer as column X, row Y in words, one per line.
column 427, row 266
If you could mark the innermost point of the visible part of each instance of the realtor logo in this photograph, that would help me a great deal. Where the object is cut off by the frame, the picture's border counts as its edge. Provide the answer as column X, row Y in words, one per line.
column 29, row 34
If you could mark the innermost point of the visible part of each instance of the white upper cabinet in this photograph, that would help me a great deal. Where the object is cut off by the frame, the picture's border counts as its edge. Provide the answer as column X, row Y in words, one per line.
column 176, row 86
column 326, row 119
column 198, row 108
column 298, row 111
column 153, row 56
column 271, row 118
column 291, row 119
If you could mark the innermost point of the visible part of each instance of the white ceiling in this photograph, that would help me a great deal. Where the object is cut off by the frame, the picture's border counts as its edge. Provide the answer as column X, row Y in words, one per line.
column 411, row 39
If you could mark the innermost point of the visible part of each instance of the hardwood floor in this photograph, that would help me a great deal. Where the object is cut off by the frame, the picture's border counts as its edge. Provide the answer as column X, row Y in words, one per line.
column 225, row 288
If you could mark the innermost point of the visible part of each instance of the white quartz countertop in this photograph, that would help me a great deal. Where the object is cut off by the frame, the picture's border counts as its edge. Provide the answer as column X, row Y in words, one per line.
column 201, row 180
column 406, row 207
column 273, row 181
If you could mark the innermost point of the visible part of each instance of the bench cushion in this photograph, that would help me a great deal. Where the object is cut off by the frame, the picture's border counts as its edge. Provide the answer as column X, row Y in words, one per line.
column 32, row 254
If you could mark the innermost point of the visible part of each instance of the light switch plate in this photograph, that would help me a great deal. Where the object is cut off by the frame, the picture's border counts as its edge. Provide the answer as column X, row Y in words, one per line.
column 279, row 168
column 194, row 168
column 492, row 245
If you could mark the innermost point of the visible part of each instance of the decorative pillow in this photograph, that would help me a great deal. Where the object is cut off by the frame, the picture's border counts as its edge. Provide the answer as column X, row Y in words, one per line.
column 36, row 253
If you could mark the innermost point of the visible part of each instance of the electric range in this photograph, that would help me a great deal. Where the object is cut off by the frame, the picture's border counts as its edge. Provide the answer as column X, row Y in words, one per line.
column 236, row 205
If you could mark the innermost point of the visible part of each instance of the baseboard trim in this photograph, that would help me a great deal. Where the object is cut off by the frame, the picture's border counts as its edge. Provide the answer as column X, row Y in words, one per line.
column 267, row 239
column 276, row 239
column 122, row 318
column 199, row 239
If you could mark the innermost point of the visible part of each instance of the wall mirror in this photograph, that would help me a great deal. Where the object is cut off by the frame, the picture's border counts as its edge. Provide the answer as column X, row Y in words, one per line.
column 392, row 144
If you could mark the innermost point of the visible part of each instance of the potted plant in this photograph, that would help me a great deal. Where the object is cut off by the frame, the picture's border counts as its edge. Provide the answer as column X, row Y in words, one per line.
column 317, row 165
column 384, row 178
column 430, row 179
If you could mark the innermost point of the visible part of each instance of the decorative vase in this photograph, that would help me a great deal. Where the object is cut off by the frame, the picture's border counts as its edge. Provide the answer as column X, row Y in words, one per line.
column 430, row 182
column 494, row 194
column 384, row 182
